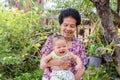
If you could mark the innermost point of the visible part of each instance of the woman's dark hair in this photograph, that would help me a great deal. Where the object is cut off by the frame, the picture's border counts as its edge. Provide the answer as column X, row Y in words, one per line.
column 70, row 12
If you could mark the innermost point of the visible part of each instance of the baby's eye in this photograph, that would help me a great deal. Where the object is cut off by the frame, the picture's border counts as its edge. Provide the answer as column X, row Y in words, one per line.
column 58, row 47
column 64, row 46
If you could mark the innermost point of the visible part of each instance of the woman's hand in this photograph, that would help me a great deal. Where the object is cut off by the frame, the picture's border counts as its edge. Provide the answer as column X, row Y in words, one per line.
column 65, row 63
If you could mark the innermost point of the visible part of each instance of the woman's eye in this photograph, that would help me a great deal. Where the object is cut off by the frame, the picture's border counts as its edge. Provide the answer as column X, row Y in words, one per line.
column 72, row 26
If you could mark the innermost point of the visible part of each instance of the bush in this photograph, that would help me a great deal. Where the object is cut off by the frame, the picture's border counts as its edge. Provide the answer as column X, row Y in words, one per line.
column 21, row 37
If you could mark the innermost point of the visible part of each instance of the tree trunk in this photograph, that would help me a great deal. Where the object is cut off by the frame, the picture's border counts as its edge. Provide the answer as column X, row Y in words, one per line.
column 105, row 15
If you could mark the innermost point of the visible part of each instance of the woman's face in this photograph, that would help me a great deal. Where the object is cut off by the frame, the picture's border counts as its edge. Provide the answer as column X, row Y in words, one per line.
column 68, row 27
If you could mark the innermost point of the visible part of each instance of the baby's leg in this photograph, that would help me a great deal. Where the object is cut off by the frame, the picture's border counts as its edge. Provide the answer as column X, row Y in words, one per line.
column 55, row 75
column 68, row 75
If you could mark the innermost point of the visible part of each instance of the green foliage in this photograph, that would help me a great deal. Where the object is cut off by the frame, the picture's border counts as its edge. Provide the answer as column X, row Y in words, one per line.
column 16, row 35
column 98, row 44
column 85, row 7
column 21, row 37
column 34, row 75
column 103, row 72
column 93, row 73
column 95, row 40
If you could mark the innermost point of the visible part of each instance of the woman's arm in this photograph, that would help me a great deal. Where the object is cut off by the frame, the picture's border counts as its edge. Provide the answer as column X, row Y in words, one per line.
column 77, row 59
column 47, row 61
column 79, row 73
column 79, row 67
column 65, row 63
column 44, row 60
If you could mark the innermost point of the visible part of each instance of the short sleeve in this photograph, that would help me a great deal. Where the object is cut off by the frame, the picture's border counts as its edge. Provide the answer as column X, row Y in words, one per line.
column 79, row 49
column 47, row 47
column 83, row 54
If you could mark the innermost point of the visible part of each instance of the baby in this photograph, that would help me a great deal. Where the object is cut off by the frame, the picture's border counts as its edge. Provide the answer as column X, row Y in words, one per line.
column 60, row 51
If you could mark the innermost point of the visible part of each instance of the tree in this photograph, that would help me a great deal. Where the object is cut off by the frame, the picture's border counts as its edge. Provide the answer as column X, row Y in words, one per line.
column 105, row 14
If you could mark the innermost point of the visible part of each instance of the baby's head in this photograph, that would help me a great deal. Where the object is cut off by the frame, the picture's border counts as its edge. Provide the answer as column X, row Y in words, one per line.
column 59, row 45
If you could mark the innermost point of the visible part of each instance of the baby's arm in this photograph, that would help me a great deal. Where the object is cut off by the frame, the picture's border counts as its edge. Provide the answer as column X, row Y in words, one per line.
column 44, row 60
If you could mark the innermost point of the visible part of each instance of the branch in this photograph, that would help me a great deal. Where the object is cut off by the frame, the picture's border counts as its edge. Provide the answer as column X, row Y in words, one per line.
column 118, row 6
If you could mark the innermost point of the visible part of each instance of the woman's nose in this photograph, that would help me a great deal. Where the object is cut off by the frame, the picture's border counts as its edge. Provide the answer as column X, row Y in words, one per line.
column 68, row 27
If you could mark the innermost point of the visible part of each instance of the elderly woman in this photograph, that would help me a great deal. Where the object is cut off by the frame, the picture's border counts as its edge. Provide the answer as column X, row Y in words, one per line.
column 69, row 19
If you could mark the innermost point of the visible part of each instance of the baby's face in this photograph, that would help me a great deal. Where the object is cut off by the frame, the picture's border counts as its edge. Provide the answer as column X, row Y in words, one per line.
column 60, row 47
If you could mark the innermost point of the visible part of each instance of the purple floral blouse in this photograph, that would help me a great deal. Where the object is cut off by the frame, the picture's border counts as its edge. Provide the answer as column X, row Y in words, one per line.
column 77, row 48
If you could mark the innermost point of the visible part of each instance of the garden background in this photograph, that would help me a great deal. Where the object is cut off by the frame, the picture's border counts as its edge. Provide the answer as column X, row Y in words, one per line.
column 26, row 24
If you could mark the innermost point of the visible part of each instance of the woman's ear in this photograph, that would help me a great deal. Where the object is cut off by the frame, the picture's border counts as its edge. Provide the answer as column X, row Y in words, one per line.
column 76, row 32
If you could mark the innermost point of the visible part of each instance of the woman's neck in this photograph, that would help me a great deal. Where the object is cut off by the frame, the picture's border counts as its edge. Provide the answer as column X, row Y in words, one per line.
column 68, row 39
column 69, row 42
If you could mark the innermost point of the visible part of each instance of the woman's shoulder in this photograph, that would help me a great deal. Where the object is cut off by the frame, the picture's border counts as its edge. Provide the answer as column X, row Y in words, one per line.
column 77, row 41
column 50, row 37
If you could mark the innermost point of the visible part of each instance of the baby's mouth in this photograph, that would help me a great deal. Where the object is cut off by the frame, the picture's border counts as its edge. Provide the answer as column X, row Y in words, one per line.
column 62, row 52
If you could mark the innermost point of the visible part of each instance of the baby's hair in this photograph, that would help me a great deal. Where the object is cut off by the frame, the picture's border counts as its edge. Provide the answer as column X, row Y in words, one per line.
column 58, row 37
